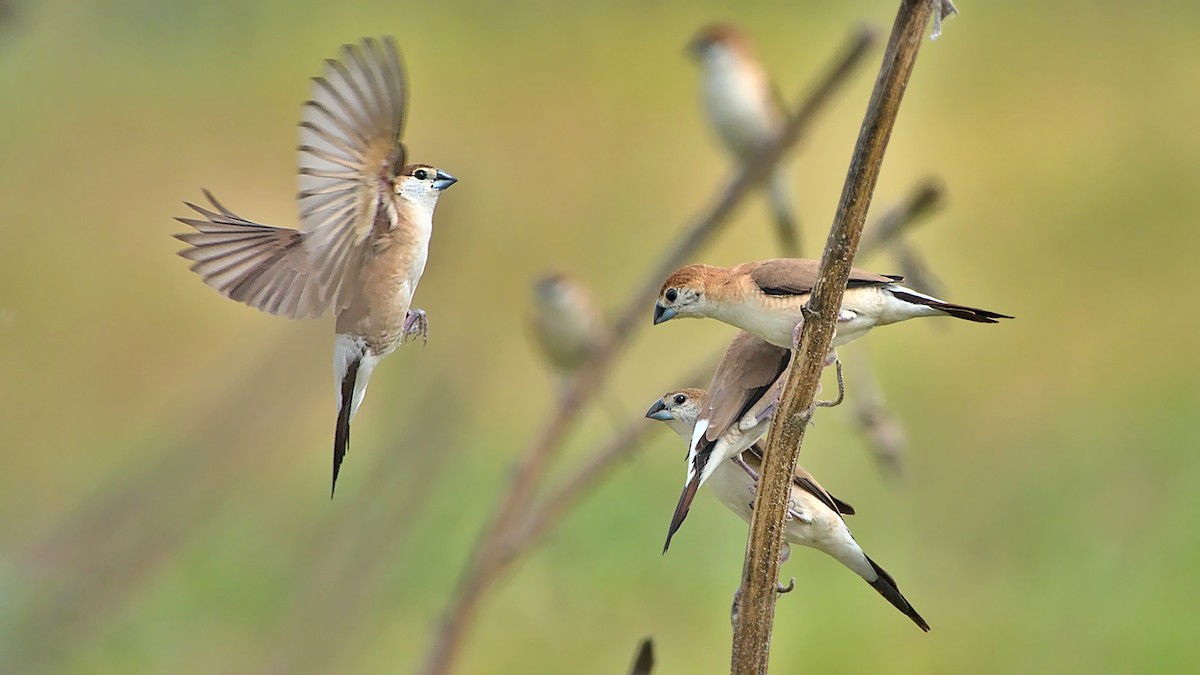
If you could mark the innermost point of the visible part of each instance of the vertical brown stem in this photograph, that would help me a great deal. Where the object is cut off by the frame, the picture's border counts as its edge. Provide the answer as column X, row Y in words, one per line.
column 756, row 616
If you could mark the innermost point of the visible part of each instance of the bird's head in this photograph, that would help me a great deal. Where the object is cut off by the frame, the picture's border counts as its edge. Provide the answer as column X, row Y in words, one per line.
column 679, row 409
column 682, row 294
column 715, row 38
column 552, row 289
column 422, row 184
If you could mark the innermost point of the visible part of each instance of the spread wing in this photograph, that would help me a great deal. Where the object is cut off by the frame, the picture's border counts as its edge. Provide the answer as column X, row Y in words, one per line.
column 797, row 276
column 262, row 266
column 350, row 152
column 744, row 375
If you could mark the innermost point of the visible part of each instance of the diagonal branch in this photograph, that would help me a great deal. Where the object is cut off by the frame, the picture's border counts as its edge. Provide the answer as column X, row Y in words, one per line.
column 756, row 613
column 487, row 560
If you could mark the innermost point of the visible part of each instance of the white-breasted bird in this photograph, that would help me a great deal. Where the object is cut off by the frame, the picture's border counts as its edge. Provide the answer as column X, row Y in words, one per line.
column 366, row 217
column 767, row 297
column 567, row 323
column 746, row 111
column 814, row 515
column 734, row 415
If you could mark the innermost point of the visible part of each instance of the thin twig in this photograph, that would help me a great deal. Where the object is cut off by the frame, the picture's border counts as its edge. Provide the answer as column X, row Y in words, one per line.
column 921, row 201
column 885, row 434
column 883, row 431
column 756, row 612
column 484, row 566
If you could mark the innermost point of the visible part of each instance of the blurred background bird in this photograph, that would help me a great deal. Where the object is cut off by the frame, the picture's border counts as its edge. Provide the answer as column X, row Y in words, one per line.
column 568, row 326
column 747, row 112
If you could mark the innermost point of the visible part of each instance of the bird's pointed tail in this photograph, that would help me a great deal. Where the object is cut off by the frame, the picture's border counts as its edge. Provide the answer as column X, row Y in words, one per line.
column 886, row 586
column 681, row 509
column 341, row 435
column 957, row 311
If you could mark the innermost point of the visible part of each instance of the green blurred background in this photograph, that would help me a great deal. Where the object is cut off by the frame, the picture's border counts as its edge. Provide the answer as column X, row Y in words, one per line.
column 164, row 500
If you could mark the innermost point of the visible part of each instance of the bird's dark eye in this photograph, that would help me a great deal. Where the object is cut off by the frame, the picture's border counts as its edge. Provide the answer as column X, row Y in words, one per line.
column 672, row 294
column 420, row 174
column 680, row 399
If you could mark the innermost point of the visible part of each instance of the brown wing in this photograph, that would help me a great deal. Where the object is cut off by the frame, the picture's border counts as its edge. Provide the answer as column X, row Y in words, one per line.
column 746, row 372
column 262, row 266
column 797, row 276
column 350, row 151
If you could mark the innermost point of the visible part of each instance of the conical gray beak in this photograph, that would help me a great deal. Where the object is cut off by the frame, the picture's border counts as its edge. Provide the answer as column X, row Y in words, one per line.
column 659, row 411
column 444, row 180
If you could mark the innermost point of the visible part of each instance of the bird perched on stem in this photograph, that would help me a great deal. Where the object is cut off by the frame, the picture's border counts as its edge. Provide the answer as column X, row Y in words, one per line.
column 366, row 216
column 814, row 515
column 746, row 111
column 767, row 298
column 567, row 323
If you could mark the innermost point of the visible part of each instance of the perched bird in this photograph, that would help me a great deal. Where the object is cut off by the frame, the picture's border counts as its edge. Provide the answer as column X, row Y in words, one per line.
column 567, row 323
column 365, row 221
column 735, row 414
column 814, row 515
column 746, row 111
column 767, row 297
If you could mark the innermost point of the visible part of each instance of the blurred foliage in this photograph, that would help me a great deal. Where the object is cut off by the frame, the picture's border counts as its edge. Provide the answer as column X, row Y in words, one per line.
column 163, row 506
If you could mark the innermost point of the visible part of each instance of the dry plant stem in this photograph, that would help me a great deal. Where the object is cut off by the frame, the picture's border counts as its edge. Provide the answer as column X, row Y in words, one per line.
column 756, row 613
column 484, row 564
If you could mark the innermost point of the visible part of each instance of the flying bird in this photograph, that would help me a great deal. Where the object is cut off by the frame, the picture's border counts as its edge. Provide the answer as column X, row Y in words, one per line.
column 814, row 515
column 746, row 111
column 767, row 298
column 366, row 216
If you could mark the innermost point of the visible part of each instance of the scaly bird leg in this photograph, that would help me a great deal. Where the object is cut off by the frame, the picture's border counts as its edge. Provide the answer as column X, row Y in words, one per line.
column 841, row 383
column 416, row 325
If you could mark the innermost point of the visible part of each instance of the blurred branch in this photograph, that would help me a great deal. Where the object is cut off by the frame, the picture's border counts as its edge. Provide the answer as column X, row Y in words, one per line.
column 756, row 613
column 916, row 271
column 644, row 663
column 922, row 201
column 885, row 434
column 489, row 556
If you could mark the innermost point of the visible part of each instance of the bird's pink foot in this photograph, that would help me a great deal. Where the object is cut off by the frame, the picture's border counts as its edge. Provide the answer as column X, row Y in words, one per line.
column 416, row 325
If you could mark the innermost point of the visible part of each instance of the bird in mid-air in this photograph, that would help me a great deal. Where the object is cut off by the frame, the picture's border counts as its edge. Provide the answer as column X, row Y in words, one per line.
column 767, row 298
column 745, row 109
column 366, row 216
column 814, row 515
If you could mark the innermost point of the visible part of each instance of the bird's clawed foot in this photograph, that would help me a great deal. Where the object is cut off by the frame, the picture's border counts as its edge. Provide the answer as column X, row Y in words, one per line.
column 416, row 325
column 841, row 384
column 781, row 589
column 746, row 467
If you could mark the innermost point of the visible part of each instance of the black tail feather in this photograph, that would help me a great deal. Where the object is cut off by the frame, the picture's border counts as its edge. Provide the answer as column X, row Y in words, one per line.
column 681, row 509
column 341, row 435
column 957, row 311
column 886, row 586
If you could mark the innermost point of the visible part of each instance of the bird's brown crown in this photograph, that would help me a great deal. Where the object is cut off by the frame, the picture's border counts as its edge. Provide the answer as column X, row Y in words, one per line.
column 691, row 276
column 690, row 394
column 717, row 33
